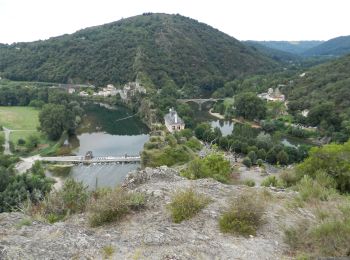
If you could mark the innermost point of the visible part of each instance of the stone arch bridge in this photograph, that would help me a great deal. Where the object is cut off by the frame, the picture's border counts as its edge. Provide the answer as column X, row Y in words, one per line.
column 199, row 101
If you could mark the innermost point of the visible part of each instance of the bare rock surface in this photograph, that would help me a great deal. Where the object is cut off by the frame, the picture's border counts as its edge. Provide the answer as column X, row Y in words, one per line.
column 150, row 234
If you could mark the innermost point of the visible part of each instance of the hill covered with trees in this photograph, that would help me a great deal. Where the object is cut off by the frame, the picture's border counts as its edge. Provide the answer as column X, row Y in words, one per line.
column 334, row 47
column 295, row 47
column 158, row 49
column 324, row 90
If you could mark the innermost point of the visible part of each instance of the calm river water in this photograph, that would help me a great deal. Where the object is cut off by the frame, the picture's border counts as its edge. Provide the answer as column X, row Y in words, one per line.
column 106, row 133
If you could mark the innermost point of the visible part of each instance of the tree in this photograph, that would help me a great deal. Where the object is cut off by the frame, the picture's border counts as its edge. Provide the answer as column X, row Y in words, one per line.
column 333, row 159
column 247, row 162
column 54, row 120
column 282, row 158
column 253, row 157
column 249, row 106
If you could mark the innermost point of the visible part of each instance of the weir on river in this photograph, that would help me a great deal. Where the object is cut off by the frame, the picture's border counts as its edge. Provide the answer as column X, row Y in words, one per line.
column 98, row 159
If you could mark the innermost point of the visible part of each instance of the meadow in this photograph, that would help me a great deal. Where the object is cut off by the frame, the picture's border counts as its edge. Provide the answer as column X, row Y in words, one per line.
column 19, row 118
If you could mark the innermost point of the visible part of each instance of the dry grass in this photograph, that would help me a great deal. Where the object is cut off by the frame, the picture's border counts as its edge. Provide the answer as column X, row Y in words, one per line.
column 185, row 204
column 245, row 214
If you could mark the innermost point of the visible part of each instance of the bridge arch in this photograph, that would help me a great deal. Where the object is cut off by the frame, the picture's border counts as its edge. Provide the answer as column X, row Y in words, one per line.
column 199, row 101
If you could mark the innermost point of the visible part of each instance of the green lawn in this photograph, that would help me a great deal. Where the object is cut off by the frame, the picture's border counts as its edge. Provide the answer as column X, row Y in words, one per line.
column 19, row 118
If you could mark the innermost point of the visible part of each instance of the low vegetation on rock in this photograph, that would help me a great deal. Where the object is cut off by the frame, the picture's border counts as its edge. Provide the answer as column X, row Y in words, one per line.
column 212, row 166
column 112, row 205
column 245, row 214
column 185, row 204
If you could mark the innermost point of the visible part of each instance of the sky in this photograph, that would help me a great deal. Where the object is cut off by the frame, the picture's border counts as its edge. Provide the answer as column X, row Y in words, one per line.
column 292, row 20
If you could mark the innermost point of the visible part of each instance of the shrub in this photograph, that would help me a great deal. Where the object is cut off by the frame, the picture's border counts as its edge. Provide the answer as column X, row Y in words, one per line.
column 247, row 162
column 194, row 144
column 185, row 204
column 21, row 141
column 244, row 216
column 108, row 251
column 253, row 157
column 112, row 205
column 213, row 166
column 323, row 237
column 72, row 198
column 260, row 162
column 333, row 159
column 319, row 189
column 261, row 154
column 288, row 177
column 272, row 181
column 249, row 183
column 282, row 158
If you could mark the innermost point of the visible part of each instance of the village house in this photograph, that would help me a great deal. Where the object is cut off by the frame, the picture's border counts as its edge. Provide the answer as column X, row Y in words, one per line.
column 108, row 91
column 173, row 122
column 272, row 95
column 71, row 90
column 83, row 94
column 129, row 90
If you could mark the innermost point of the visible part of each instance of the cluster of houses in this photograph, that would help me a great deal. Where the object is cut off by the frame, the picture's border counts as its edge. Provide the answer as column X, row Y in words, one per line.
column 272, row 95
column 130, row 89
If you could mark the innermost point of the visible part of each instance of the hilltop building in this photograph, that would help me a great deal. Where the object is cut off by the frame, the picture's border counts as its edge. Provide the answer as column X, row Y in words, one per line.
column 272, row 95
column 173, row 122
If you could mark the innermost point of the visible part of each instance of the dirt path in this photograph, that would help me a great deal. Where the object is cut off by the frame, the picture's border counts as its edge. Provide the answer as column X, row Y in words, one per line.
column 217, row 115
column 26, row 163
column 7, row 140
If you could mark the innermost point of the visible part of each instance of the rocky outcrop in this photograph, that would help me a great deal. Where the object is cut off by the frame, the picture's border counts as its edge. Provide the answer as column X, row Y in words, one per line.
column 149, row 234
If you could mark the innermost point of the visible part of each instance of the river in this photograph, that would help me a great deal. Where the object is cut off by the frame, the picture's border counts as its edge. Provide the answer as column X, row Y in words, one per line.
column 225, row 126
column 107, row 131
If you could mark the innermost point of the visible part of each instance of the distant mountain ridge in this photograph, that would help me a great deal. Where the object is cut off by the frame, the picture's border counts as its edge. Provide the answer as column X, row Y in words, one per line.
column 158, row 49
column 295, row 47
column 334, row 47
column 275, row 54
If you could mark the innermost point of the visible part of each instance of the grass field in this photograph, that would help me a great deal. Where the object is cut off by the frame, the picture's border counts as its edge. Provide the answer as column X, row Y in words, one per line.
column 24, row 121
column 14, row 136
column 19, row 118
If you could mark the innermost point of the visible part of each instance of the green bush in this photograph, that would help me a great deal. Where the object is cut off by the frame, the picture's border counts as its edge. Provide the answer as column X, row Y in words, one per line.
column 247, row 162
column 194, row 144
column 272, row 181
column 253, row 157
column 332, row 159
column 249, row 183
column 71, row 199
column 260, row 162
column 319, row 189
column 111, row 205
column 245, row 215
column 328, row 236
column 288, row 177
column 212, row 166
column 185, row 204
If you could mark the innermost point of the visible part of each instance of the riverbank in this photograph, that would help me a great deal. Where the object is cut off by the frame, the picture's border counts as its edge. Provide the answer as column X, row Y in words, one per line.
column 217, row 115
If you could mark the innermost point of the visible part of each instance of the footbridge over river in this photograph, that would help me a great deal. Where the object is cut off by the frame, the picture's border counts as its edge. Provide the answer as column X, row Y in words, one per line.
column 93, row 160
column 200, row 101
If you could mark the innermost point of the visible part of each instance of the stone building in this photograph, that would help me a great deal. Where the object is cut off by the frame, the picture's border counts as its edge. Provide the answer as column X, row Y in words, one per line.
column 173, row 122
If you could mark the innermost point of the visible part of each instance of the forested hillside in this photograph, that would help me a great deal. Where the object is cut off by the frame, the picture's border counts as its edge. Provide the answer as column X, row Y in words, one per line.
column 295, row 47
column 276, row 54
column 159, row 49
column 325, row 91
column 334, row 47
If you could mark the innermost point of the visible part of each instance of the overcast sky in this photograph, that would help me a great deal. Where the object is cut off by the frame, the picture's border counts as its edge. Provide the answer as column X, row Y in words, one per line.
column 29, row 20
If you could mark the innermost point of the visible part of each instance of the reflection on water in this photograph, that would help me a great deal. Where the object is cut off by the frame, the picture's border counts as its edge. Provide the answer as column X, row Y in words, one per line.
column 105, row 132
column 226, row 127
column 103, row 144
